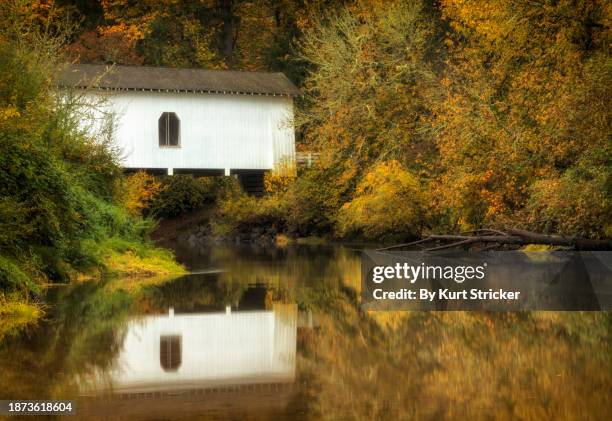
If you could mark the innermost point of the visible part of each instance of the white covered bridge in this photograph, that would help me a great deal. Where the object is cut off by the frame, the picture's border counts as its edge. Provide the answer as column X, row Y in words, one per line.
column 208, row 122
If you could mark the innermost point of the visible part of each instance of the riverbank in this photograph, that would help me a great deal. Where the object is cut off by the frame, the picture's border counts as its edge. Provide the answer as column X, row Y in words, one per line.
column 65, row 212
column 16, row 315
column 131, row 263
column 197, row 229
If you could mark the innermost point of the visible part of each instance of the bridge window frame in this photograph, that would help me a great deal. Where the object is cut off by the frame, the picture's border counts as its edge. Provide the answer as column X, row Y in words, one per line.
column 169, row 130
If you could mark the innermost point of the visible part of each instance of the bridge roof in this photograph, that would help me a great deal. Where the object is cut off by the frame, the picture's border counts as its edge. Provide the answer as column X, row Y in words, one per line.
column 165, row 79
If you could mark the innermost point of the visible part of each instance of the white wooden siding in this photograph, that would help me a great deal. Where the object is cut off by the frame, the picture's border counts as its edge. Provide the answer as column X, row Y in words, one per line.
column 216, row 131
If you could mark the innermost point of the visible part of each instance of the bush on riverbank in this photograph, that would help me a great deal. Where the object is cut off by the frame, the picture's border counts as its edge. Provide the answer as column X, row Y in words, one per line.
column 180, row 194
column 172, row 196
column 305, row 205
column 388, row 202
column 139, row 191
column 240, row 215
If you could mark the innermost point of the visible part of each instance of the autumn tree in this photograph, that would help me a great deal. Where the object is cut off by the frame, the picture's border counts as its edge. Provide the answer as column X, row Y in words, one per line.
column 369, row 83
column 236, row 34
column 523, row 117
column 105, row 46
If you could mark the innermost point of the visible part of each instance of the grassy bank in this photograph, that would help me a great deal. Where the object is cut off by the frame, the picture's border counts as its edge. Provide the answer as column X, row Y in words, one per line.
column 130, row 259
column 16, row 315
column 128, row 265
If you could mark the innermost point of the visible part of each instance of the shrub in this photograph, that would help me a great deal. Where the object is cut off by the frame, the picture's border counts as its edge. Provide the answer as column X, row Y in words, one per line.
column 572, row 205
column 313, row 200
column 13, row 279
column 139, row 192
column 389, row 201
column 304, row 205
column 240, row 213
column 184, row 193
column 280, row 178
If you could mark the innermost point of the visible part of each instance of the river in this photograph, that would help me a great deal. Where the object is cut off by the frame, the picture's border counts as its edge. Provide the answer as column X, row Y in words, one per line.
column 277, row 333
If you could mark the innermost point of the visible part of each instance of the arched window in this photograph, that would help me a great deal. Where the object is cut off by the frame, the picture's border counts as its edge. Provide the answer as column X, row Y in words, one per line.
column 169, row 129
column 170, row 357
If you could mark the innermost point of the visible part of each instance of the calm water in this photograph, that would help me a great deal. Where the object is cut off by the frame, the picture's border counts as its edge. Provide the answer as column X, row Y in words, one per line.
column 277, row 333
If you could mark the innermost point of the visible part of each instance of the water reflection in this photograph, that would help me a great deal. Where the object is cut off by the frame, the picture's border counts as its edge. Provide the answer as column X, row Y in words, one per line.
column 184, row 351
column 280, row 334
column 170, row 352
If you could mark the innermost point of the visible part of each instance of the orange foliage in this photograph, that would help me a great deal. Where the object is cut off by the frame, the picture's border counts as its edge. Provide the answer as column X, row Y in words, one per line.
column 138, row 192
column 280, row 178
column 513, row 89
column 106, row 45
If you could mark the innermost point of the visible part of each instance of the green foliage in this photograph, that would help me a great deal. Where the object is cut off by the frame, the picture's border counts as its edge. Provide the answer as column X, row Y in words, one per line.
column 239, row 213
column 12, row 278
column 313, row 201
column 304, row 205
column 58, row 182
column 133, row 258
column 180, row 194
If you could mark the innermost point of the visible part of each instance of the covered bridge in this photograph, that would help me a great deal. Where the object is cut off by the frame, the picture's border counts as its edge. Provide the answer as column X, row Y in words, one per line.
column 194, row 121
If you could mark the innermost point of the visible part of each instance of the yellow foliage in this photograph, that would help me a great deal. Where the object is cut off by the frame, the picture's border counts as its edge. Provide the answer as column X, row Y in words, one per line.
column 280, row 178
column 571, row 206
column 241, row 213
column 139, row 189
column 131, row 265
column 388, row 200
column 524, row 99
column 131, row 32
column 9, row 112
column 16, row 315
column 370, row 86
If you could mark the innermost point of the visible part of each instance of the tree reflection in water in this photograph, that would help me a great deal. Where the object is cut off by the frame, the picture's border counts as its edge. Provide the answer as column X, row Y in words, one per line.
column 350, row 364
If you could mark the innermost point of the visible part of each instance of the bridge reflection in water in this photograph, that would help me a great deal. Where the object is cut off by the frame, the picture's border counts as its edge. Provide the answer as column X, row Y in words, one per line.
column 202, row 361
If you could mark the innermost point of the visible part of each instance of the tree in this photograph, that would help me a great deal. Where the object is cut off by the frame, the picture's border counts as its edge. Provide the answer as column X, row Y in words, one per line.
column 524, row 100
column 105, row 46
column 368, row 86
column 208, row 33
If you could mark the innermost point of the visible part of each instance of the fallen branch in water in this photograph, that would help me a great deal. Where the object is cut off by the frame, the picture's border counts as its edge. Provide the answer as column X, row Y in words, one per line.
column 510, row 236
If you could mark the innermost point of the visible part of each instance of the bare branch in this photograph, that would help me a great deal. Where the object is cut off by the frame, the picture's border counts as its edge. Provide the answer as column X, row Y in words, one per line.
column 455, row 244
column 513, row 236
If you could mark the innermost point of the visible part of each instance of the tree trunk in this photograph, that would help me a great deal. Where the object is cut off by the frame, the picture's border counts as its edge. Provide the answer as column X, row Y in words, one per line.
column 510, row 236
column 228, row 31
